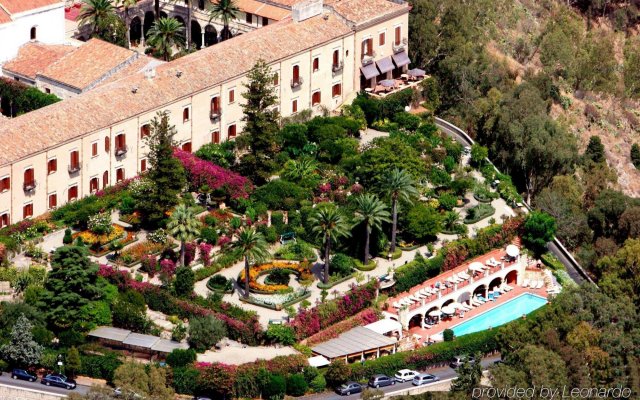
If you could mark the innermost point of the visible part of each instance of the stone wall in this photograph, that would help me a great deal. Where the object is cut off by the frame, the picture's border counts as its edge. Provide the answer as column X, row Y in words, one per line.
column 16, row 393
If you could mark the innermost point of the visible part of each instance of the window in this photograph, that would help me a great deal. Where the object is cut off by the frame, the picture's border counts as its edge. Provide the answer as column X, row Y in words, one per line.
column 398, row 35
column 336, row 57
column 53, row 200
column 107, row 144
column 276, row 79
column 33, row 33
column 315, row 98
column 232, row 96
column 121, row 144
column 294, row 106
column 27, row 210
column 186, row 147
column 316, row 64
column 93, row 185
column 47, row 90
column 105, row 179
column 74, row 161
column 381, row 39
column 119, row 175
column 296, row 74
column 4, row 220
column 185, row 114
column 52, row 166
column 94, row 149
column 73, row 193
column 143, row 165
column 145, row 130
column 231, row 131
column 336, row 90
column 215, row 106
column 29, row 179
column 367, row 47
column 215, row 137
column 5, row 184
column 249, row 18
column 265, row 21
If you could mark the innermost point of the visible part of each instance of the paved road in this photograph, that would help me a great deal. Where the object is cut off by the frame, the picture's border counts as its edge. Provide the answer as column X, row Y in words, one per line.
column 443, row 373
column 5, row 379
column 576, row 275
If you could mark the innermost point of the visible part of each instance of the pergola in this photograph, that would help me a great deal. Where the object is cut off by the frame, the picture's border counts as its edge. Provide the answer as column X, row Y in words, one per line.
column 359, row 342
column 135, row 342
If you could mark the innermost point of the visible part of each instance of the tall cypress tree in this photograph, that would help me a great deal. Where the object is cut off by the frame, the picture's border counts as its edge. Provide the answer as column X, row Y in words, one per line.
column 166, row 173
column 261, row 123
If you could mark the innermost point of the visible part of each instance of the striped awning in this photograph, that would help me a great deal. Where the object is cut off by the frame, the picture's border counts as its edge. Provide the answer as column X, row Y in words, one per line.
column 401, row 59
column 369, row 71
column 385, row 65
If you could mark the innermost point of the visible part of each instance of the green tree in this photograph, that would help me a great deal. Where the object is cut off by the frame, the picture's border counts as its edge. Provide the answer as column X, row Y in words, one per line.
column 184, row 283
column 281, row 334
column 328, row 222
column 540, row 229
column 635, row 155
column 127, row 5
column 112, row 29
column 73, row 362
column 253, row 248
column 225, row 11
column 422, row 222
column 134, row 378
column 479, row 154
column 219, row 154
column 398, row 186
column 296, row 385
column 93, row 12
column 71, row 285
column 261, row 123
column 337, row 373
column 205, row 332
column 303, row 171
column 469, row 374
column 166, row 174
column 596, row 65
column 22, row 350
column 164, row 35
column 371, row 212
column 631, row 67
column 184, row 226
column 595, row 150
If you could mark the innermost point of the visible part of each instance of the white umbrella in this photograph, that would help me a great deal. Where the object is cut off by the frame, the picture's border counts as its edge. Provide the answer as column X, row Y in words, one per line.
column 448, row 310
column 435, row 313
column 513, row 251
column 476, row 266
column 455, row 305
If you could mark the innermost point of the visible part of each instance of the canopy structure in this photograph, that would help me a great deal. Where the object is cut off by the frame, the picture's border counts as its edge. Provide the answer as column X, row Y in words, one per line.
column 388, row 83
column 416, row 72
column 476, row 266
column 513, row 251
column 455, row 305
column 385, row 326
column 369, row 71
column 357, row 342
column 449, row 310
column 435, row 313
column 385, row 65
column 401, row 59
column 135, row 341
column 318, row 361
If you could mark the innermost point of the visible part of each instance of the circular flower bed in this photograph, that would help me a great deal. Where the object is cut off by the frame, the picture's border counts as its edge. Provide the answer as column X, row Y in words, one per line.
column 91, row 238
column 301, row 270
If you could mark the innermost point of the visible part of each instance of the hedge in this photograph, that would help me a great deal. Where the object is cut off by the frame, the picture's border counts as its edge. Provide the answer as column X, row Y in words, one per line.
column 331, row 284
column 370, row 267
column 484, row 211
column 99, row 366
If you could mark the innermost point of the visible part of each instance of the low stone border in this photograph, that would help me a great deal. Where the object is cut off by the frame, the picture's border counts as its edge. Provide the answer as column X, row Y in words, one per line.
column 276, row 307
column 321, row 285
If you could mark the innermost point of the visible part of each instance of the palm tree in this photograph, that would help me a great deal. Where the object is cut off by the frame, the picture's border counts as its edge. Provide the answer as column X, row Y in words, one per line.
column 225, row 11
column 398, row 185
column 127, row 5
column 94, row 11
column 371, row 211
column 331, row 225
column 188, row 4
column 253, row 247
column 300, row 170
column 165, row 34
column 450, row 220
column 184, row 226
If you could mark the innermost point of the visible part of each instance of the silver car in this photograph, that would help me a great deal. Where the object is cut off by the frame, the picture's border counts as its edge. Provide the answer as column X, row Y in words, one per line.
column 423, row 379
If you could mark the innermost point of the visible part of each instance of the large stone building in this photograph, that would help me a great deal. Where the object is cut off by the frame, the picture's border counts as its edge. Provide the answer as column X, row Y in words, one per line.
column 22, row 21
column 322, row 55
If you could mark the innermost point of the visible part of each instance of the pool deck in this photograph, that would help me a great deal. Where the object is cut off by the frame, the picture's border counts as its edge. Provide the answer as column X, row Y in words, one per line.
column 451, row 322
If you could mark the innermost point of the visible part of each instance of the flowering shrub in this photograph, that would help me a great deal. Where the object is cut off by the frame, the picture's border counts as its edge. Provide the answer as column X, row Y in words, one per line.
column 158, row 236
column 100, row 224
column 91, row 238
column 302, row 270
column 364, row 317
column 167, row 270
column 224, row 240
column 135, row 253
column 310, row 321
column 149, row 264
column 205, row 253
column 203, row 172
column 189, row 253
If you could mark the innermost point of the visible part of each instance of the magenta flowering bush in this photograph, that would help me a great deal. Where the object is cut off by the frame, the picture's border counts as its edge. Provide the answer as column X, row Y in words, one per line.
column 223, row 240
column 205, row 253
column 364, row 317
column 167, row 269
column 203, row 172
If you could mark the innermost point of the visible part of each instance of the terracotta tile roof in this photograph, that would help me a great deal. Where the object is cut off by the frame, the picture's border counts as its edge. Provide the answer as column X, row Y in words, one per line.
column 263, row 9
column 282, row 3
column 362, row 11
column 18, row 6
column 142, row 63
column 108, row 104
column 88, row 64
column 4, row 16
column 34, row 57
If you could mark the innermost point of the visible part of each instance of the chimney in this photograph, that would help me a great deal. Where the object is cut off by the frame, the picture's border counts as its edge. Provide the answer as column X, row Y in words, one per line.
column 306, row 9
column 150, row 73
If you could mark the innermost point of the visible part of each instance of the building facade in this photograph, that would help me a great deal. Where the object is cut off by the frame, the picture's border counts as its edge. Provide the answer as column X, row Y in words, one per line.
column 73, row 148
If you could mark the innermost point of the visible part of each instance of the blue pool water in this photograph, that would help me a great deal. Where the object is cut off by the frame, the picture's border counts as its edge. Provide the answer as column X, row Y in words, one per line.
column 501, row 314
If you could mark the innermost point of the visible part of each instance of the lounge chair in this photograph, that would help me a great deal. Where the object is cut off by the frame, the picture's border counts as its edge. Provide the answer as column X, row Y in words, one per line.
column 525, row 283
column 481, row 299
column 496, row 294
column 474, row 302
column 508, row 288
column 467, row 307
column 490, row 296
column 396, row 305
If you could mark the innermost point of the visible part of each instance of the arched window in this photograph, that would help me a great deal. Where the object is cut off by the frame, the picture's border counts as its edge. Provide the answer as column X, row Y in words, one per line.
column 33, row 33
column 105, row 179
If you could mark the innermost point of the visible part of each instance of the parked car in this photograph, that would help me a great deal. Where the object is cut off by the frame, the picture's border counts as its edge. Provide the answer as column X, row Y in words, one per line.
column 380, row 380
column 349, row 388
column 58, row 380
column 422, row 379
column 458, row 361
column 405, row 375
column 23, row 375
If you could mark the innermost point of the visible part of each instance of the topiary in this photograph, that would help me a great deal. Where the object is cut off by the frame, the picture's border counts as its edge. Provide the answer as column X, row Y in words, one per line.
column 296, row 385
column 318, row 384
column 181, row 357
column 447, row 335
column 67, row 239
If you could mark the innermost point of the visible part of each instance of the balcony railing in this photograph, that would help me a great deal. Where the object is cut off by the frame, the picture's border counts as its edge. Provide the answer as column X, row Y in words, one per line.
column 73, row 168
column 296, row 82
column 337, row 67
column 121, row 151
column 215, row 114
column 29, row 187
column 400, row 47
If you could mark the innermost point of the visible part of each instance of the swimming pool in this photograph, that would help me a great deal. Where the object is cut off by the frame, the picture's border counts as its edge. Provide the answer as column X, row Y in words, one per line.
column 500, row 315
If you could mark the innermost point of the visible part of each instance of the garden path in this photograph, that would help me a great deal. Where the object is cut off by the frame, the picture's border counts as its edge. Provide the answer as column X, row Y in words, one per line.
column 235, row 353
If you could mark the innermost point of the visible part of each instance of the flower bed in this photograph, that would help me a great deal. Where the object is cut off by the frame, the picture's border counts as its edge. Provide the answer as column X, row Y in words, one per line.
column 133, row 254
column 302, row 270
column 478, row 213
column 277, row 301
column 98, row 242
column 297, row 251
column 106, row 249
column 220, row 284
column 332, row 283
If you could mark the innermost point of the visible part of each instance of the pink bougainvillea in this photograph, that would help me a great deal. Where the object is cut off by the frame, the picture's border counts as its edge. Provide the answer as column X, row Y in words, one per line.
column 205, row 253
column 223, row 240
column 203, row 172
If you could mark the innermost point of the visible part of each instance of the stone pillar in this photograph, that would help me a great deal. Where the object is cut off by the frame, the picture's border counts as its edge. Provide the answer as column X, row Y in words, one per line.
column 455, row 287
column 202, row 46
